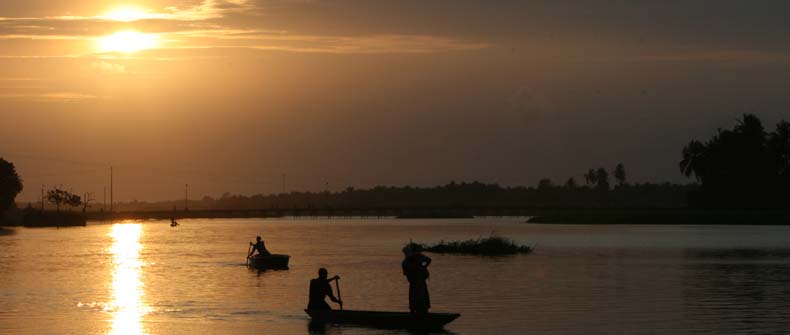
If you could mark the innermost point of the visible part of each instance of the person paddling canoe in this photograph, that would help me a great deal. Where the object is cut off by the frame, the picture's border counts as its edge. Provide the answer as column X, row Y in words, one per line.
column 320, row 289
column 260, row 247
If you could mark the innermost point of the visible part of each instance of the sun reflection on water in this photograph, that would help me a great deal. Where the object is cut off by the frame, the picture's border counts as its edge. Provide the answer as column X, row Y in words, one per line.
column 128, row 306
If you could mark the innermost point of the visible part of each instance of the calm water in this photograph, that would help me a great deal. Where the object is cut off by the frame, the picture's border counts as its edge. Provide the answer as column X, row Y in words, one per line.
column 149, row 278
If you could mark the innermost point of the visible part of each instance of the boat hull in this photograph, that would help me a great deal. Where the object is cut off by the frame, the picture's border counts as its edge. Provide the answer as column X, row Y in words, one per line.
column 392, row 320
column 269, row 262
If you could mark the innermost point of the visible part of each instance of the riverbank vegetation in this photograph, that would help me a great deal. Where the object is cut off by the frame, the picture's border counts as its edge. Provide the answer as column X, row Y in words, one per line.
column 745, row 167
column 486, row 246
column 458, row 198
column 742, row 176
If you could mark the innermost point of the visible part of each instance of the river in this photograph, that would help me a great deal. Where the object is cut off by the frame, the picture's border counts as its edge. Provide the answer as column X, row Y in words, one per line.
column 148, row 278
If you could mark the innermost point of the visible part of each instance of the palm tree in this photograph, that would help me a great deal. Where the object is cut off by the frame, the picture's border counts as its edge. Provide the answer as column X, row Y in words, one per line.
column 693, row 154
column 619, row 174
column 590, row 177
column 780, row 142
column 602, row 177
column 751, row 127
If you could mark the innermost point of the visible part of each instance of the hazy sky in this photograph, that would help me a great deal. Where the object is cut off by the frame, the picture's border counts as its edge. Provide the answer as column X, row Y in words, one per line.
column 230, row 95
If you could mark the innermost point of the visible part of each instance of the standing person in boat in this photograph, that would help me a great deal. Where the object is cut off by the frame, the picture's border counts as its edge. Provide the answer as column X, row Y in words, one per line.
column 320, row 289
column 415, row 268
column 260, row 247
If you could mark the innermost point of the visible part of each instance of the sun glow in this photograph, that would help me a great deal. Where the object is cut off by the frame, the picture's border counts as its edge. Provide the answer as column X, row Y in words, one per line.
column 126, row 14
column 127, row 41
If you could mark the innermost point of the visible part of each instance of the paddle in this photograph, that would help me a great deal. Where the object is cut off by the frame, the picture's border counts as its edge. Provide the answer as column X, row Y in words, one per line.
column 337, row 285
column 249, row 249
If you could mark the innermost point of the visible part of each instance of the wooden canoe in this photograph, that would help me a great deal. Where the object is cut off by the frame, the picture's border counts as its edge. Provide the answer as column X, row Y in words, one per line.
column 391, row 320
column 269, row 262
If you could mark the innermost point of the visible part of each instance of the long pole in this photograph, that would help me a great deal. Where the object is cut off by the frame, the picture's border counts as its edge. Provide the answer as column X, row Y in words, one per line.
column 186, row 197
column 339, row 297
column 42, row 198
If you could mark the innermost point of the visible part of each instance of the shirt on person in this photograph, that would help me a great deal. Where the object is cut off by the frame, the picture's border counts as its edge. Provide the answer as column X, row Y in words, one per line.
column 261, row 248
column 319, row 289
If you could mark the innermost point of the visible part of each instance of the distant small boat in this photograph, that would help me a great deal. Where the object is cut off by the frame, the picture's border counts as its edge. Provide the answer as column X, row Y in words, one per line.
column 269, row 262
column 389, row 320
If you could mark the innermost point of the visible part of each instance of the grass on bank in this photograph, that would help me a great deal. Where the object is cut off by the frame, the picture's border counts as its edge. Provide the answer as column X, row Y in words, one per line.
column 487, row 246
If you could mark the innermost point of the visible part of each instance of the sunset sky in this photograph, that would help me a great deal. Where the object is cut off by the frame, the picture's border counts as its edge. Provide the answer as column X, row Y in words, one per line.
column 229, row 95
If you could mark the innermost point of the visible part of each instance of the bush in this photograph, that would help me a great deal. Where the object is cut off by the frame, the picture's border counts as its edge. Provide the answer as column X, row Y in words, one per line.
column 489, row 246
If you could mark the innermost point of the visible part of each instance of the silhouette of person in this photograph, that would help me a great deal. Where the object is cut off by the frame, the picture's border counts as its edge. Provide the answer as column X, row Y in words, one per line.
column 320, row 289
column 260, row 247
column 415, row 268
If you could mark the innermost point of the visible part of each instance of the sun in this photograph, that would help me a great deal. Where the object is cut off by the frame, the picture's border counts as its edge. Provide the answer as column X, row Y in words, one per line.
column 127, row 41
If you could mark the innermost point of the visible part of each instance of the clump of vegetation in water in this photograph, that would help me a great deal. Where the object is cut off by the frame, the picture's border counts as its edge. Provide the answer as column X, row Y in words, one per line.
column 487, row 246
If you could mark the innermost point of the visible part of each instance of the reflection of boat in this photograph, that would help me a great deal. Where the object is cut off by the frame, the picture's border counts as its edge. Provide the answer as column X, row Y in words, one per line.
column 392, row 320
column 269, row 261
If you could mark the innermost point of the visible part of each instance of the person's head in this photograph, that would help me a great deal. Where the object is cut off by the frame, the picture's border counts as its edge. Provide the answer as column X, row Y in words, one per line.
column 408, row 250
column 322, row 273
column 258, row 238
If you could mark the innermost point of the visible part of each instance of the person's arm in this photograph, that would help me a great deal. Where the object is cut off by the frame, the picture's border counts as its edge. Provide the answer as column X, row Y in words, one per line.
column 330, row 294
column 426, row 261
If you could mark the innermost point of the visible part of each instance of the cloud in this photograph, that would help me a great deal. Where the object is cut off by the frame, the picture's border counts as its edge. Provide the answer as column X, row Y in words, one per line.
column 108, row 68
column 210, row 24
column 282, row 41
column 49, row 97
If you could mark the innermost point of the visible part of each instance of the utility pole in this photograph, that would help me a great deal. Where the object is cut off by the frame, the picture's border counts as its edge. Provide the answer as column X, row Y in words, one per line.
column 110, row 189
column 283, row 183
column 186, row 197
column 87, row 201
column 104, row 199
column 42, row 198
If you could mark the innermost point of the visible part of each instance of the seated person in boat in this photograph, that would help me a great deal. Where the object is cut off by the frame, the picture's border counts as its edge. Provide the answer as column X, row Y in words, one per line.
column 415, row 268
column 260, row 247
column 319, row 289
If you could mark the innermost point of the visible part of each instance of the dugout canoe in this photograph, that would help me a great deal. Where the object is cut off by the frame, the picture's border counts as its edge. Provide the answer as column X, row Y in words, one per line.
column 377, row 319
column 269, row 262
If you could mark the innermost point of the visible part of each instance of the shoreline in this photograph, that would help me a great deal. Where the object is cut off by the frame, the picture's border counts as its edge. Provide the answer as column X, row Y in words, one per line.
column 682, row 216
column 585, row 216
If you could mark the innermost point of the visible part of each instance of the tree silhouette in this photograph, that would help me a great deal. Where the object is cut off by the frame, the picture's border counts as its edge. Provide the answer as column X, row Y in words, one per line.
column 60, row 197
column 619, row 174
column 545, row 184
column 571, row 183
column 744, row 167
column 693, row 159
column 591, row 178
column 10, row 184
column 602, row 179
column 779, row 143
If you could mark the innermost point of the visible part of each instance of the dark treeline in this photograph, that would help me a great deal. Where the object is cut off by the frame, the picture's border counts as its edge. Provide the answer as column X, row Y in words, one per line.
column 474, row 195
column 740, row 168
column 746, row 167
